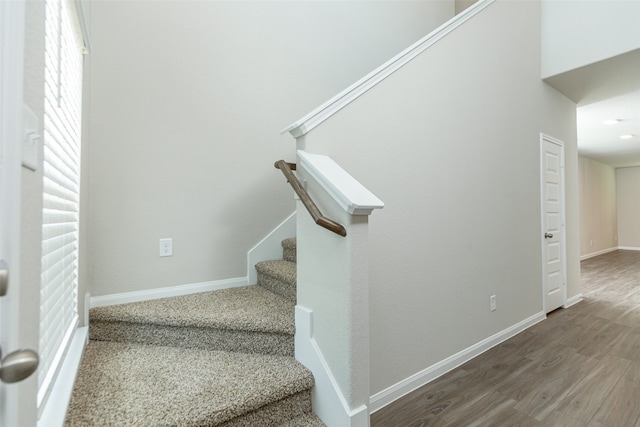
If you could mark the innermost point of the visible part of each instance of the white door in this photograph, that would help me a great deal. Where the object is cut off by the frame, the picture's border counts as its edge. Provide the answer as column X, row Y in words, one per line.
column 11, row 101
column 553, row 226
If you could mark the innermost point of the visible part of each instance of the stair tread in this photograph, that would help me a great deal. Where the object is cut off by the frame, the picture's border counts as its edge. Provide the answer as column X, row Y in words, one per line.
column 282, row 269
column 306, row 420
column 250, row 308
column 142, row 385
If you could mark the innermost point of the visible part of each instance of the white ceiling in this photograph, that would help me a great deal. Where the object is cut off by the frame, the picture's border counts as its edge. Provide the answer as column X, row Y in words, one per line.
column 602, row 142
column 606, row 90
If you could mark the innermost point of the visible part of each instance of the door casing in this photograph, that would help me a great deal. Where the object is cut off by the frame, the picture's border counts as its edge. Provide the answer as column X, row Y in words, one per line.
column 12, row 30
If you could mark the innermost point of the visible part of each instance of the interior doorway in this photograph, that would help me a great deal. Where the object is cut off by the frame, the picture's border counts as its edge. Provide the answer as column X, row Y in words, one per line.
column 554, row 262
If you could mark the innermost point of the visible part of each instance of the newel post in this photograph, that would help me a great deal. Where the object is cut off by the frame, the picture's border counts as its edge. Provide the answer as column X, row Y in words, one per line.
column 332, row 312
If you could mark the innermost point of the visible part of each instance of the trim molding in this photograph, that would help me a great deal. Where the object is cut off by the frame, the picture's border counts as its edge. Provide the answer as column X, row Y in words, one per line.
column 82, row 21
column 629, row 248
column 270, row 247
column 602, row 252
column 338, row 102
column 573, row 300
column 396, row 391
column 172, row 291
column 352, row 196
column 55, row 410
column 328, row 401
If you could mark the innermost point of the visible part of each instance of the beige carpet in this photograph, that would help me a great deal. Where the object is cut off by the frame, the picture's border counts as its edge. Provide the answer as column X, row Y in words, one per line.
column 248, row 319
column 250, row 308
column 139, row 385
column 208, row 359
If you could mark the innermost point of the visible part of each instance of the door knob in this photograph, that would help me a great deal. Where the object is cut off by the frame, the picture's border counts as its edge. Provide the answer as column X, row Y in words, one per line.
column 548, row 235
column 4, row 278
column 18, row 365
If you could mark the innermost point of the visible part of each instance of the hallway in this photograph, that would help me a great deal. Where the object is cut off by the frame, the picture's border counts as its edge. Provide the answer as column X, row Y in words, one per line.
column 578, row 368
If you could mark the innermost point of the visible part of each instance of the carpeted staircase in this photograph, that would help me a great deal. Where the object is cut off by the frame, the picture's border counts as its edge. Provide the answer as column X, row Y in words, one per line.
column 221, row 358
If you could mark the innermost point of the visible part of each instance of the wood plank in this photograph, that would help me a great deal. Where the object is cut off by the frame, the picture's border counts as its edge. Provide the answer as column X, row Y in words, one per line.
column 627, row 345
column 559, row 419
column 480, row 410
column 591, row 391
column 620, row 408
column 554, row 386
column 602, row 341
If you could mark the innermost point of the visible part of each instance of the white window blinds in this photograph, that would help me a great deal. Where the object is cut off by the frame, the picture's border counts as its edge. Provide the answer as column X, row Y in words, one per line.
column 61, row 170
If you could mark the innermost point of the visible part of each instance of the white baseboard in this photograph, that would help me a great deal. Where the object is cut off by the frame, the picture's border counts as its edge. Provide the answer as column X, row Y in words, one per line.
column 172, row 291
column 270, row 247
column 605, row 251
column 602, row 252
column 628, row 248
column 573, row 300
column 328, row 401
column 55, row 410
column 396, row 391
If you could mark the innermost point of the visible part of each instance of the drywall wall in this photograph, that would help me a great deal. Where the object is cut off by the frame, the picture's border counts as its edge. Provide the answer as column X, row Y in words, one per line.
column 598, row 208
column 187, row 102
column 579, row 33
column 456, row 160
column 628, row 185
column 461, row 5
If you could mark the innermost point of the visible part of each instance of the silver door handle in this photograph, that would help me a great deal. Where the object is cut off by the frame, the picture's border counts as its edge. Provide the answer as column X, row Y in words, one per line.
column 4, row 278
column 548, row 235
column 18, row 365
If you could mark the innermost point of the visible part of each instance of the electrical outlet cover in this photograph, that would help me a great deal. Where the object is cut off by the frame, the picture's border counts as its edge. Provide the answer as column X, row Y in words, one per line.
column 166, row 247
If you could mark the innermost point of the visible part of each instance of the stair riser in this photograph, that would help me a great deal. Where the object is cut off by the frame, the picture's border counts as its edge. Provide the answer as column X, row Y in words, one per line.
column 289, row 254
column 199, row 338
column 275, row 413
column 278, row 286
column 289, row 250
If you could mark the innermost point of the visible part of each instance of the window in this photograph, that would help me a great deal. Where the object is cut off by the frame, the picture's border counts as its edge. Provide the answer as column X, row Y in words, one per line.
column 61, row 192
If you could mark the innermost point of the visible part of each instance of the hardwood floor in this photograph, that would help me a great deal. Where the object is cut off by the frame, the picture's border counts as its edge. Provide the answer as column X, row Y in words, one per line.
column 578, row 368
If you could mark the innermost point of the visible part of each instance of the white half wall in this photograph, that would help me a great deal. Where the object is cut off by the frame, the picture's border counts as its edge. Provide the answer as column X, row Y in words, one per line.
column 270, row 247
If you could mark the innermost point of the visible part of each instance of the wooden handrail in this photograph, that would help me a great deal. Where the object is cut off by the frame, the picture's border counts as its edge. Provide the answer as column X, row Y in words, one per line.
column 308, row 203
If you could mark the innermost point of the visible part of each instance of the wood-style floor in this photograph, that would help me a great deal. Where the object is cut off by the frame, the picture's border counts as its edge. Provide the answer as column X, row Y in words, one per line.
column 578, row 368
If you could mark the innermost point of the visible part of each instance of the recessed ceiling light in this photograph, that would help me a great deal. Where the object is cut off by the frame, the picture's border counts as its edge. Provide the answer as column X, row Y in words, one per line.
column 626, row 136
column 611, row 121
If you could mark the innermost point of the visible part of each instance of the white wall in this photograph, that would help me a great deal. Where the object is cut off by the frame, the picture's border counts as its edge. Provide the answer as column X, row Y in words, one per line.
column 461, row 5
column 598, row 207
column 187, row 102
column 579, row 33
column 455, row 158
column 628, row 184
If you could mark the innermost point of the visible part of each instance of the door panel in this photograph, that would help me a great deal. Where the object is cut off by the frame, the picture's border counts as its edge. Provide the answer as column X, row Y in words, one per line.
column 553, row 235
column 11, row 69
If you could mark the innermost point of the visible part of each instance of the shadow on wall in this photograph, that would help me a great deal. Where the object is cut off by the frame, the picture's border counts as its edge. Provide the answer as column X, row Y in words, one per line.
column 461, row 5
column 266, row 195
